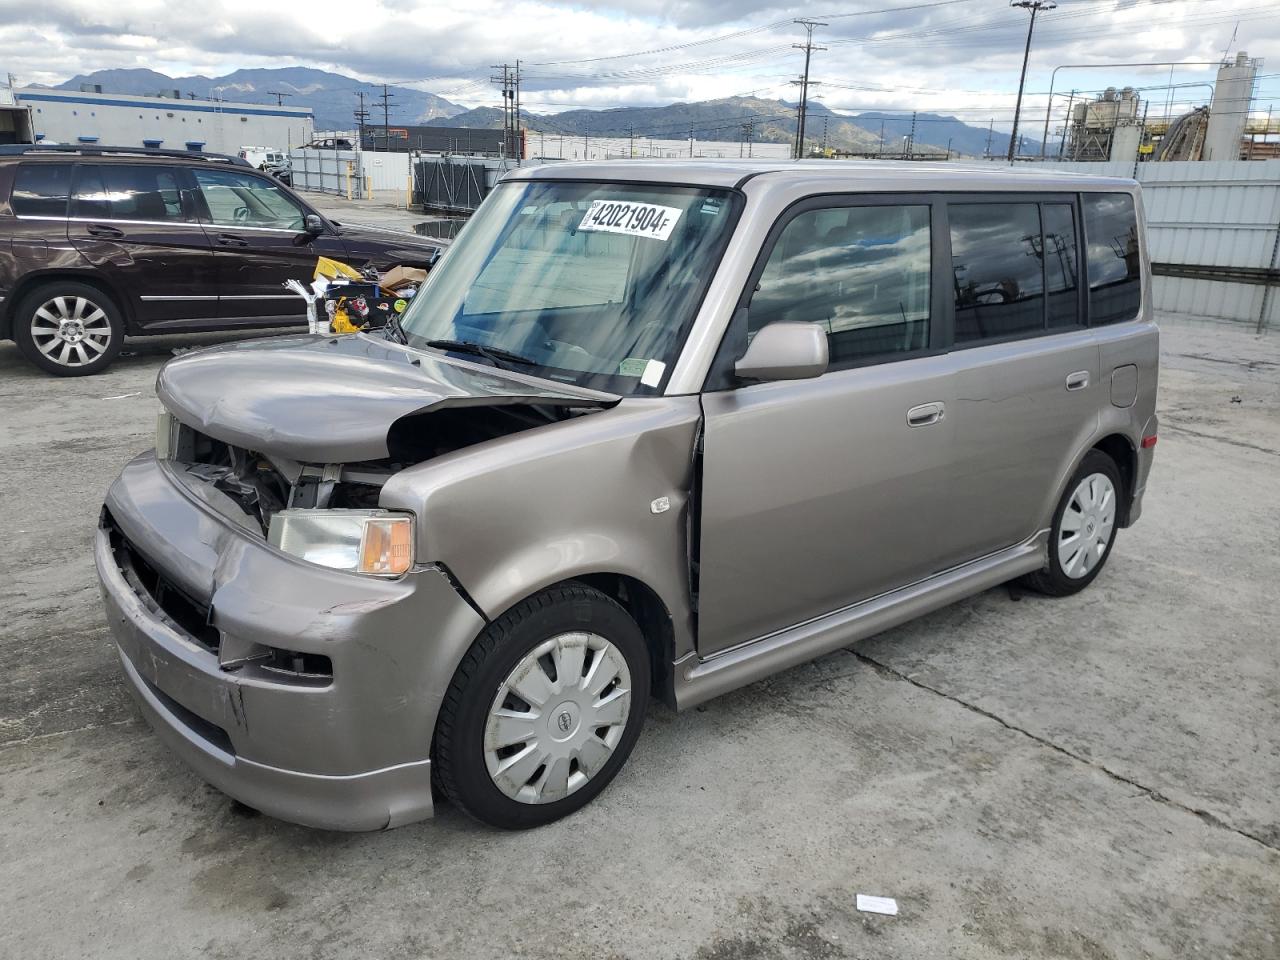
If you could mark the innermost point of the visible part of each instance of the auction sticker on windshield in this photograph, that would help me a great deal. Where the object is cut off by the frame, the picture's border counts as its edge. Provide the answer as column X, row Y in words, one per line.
column 634, row 219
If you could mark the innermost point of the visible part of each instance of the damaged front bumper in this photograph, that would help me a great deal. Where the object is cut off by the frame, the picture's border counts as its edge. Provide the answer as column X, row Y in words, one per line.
column 306, row 693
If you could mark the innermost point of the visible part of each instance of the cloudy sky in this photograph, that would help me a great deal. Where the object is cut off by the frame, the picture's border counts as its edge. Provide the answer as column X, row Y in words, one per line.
column 954, row 56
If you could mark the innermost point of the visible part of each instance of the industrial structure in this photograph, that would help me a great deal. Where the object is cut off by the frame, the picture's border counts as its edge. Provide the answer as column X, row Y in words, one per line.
column 162, row 121
column 15, row 119
column 1115, row 126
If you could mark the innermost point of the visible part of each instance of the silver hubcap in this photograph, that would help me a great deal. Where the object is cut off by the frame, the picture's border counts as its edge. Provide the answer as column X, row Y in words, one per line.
column 557, row 717
column 1087, row 525
column 71, row 331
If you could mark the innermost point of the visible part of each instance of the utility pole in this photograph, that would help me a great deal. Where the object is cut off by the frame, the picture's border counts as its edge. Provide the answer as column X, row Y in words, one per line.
column 881, row 140
column 362, row 116
column 808, row 49
column 824, row 135
column 1035, row 6
column 631, row 143
column 279, row 95
column 385, row 100
column 691, row 142
column 991, row 129
column 1066, row 126
column 911, row 142
column 518, row 147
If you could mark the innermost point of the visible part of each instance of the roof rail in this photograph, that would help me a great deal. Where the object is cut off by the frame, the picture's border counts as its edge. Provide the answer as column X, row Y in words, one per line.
column 95, row 150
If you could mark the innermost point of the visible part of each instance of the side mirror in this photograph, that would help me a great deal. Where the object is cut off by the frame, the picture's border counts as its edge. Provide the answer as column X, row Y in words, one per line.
column 312, row 224
column 785, row 351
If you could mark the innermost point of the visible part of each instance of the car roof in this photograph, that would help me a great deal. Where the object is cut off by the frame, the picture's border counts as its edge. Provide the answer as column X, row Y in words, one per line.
column 878, row 175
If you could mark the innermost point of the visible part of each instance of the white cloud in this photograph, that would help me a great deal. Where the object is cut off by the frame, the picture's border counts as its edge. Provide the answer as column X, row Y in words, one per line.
column 960, row 58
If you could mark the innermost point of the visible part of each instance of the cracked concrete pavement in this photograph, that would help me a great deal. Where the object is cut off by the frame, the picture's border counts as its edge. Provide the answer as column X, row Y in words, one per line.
column 1093, row 777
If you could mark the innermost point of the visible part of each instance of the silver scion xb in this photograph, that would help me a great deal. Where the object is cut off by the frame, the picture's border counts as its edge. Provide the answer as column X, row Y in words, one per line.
column 649, row 429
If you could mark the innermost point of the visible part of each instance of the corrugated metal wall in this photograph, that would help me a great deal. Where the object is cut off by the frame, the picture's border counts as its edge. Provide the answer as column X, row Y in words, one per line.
column 1208, row 213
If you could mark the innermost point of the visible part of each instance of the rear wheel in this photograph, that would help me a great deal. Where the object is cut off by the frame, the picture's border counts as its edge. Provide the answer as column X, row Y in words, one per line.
column 1084, row 528
column 68, row 328
column 544, row 709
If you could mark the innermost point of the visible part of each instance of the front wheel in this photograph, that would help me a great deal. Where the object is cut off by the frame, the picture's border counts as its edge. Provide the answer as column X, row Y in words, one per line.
column 1084, row 528
column 544, row 709
column 68, row 328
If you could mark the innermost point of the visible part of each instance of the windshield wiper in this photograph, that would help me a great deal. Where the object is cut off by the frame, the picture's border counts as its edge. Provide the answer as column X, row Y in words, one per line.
column 495, row 355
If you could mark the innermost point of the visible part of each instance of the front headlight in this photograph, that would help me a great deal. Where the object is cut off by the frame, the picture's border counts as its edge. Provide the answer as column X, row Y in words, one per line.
column 374, row 542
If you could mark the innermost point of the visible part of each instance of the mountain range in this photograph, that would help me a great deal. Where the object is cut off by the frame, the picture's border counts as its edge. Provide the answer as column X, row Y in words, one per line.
column 333, row 98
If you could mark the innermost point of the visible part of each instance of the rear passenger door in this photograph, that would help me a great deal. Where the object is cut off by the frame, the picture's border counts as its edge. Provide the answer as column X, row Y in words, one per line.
column 256, row 229
column 136, row 223
column 820, row 493
column 1027, row 388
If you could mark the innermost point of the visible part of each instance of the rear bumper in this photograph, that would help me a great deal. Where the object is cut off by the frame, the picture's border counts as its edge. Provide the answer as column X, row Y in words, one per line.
column 1146, row 456
column 347, row 751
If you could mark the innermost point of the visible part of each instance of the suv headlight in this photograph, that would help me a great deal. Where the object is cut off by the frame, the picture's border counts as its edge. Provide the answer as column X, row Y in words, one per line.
column 374, row 542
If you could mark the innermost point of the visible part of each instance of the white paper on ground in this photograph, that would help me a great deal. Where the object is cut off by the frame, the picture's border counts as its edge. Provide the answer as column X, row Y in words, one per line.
column 886, row 905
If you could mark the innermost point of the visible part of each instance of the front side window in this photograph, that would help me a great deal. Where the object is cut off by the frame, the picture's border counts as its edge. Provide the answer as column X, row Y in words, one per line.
column 41, row 189
column 861, row 272
column 1115, row 270
column 128, row 192
column 588, row 283
column 242, row 200
column 996, row 261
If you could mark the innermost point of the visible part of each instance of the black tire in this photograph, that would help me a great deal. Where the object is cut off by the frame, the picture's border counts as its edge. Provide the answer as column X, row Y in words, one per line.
column 459, row 749
column 30, row 341
column 1053, row 580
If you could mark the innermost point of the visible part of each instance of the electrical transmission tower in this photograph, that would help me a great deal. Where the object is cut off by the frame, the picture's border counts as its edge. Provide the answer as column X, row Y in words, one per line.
column 808, row 48
column 1035, row 6
column 362, row 117
column 385, row 99
column 510, row 83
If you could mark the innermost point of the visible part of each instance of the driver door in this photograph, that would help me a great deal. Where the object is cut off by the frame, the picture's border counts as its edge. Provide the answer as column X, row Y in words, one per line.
column 255, row 228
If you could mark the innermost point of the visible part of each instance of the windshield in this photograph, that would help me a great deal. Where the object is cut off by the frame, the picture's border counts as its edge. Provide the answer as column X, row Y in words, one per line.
column 588, row 283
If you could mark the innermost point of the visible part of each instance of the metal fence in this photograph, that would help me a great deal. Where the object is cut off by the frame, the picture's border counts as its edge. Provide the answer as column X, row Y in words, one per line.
column 455, row 184
column 1213, row 231
column 328, row 171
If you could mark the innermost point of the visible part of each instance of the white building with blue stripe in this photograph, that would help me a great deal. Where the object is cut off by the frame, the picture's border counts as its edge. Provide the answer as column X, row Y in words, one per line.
column 128, row 120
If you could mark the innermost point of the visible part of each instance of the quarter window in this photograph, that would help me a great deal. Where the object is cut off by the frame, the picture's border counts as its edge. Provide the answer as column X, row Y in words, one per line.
column 862, row 272
column 996, row 253
column 1115, row 276
column 128, row 192
column 41, row 189
column 242, row 200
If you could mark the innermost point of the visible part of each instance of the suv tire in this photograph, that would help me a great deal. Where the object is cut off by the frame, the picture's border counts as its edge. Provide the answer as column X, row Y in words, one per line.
column 68, row 328
column 543, row 709
column 1084, row 528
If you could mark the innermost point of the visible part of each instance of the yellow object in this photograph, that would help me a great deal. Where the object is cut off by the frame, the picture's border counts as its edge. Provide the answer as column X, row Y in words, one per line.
column 333, row 269
column 342, row 322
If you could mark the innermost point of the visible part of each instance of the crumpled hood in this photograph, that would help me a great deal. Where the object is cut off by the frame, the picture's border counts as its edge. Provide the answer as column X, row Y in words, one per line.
column 331, row 399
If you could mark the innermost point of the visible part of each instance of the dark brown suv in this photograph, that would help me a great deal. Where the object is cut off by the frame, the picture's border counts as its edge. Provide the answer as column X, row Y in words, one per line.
column 101, row 243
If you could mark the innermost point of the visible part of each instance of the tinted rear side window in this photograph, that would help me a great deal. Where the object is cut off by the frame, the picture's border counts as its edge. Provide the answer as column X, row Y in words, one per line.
column 995, row 260
column 41, row 189
column 128, row 192
column 1115, row 273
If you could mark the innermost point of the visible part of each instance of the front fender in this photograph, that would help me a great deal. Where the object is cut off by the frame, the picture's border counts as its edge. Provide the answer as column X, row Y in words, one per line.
column 514, row 515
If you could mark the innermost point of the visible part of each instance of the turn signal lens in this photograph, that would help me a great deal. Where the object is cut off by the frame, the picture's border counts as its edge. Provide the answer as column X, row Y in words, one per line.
column 387, row 547
column 1148, row 442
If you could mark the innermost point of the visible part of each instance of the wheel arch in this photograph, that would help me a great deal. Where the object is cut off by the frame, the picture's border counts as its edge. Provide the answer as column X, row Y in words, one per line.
column 1122, row 452
column 34, row 279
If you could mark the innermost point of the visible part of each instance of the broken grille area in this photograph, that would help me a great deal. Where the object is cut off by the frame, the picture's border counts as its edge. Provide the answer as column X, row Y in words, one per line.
column 165, row 596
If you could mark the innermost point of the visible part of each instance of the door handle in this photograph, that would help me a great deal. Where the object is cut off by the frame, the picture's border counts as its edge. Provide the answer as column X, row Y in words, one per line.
column 98, row 230
column 229, row 240
column 1078, row 380
column 925, row 414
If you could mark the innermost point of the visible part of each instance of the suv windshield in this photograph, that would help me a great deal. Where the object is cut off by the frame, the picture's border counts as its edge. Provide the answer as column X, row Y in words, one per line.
column 589, row 283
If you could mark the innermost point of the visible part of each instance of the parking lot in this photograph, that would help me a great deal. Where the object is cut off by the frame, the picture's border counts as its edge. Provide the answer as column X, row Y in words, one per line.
column 1092, row 777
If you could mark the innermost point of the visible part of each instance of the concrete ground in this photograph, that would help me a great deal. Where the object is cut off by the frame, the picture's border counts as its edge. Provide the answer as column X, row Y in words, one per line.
column 1094, row 777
